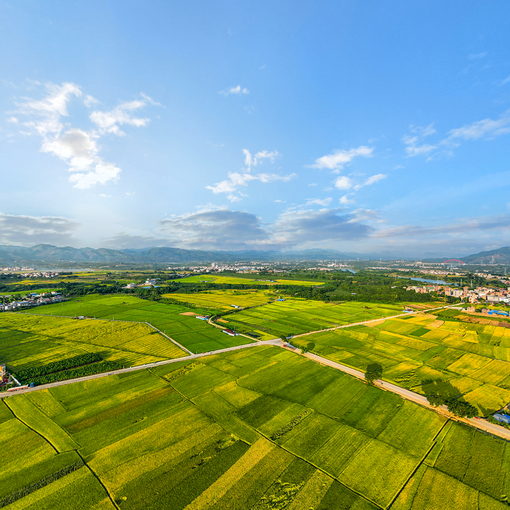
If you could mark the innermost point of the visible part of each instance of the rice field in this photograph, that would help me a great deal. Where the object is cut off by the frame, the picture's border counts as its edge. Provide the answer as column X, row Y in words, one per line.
column 421, row 352
column 32, row 341
column 238, row 280
column 195, row 335
column 224, row 299
column 257, row 429
column 293, row 316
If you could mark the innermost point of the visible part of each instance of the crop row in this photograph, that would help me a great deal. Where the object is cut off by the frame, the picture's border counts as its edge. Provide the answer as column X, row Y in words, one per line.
column 57, row 366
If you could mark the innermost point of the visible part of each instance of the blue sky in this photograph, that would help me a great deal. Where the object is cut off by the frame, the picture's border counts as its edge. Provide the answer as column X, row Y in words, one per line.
column 371, row 127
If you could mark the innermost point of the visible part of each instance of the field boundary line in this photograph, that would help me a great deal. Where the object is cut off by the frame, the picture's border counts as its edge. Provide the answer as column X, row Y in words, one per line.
column 366, row 498
column 434, row 442
column 96, row 476
column 168, row 337
column 267, row 438
column 32, row 429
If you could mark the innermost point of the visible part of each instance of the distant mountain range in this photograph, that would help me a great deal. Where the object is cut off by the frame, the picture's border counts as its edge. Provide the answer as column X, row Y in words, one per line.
column 54, row 255
column 499, row 256
column 47, row 254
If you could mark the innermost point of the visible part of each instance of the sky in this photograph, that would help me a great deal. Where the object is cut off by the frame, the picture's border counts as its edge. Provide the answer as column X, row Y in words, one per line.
column 375, row 127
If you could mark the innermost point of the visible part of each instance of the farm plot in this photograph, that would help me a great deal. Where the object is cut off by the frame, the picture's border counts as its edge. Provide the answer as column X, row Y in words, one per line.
column 294, row 316
column 196, row 335
column 28, row 341
column 420, row 353
column 237, row 280
column 255, row 429
column 224, row 299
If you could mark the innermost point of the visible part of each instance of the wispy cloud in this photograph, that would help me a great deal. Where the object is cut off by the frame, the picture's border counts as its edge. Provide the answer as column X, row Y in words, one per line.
column 345, row 182
column 338, row 159
column 462, row 226
column 505, row 81
column 414, row 141
column 79, row 148
column 236, row 180
column 322, row 202
column 236, row 90
column 477, row 56
column 484, row 129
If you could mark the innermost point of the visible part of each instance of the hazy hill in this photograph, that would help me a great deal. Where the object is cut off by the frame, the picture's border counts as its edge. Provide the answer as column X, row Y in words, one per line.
column 499, row 256
column 49, row 254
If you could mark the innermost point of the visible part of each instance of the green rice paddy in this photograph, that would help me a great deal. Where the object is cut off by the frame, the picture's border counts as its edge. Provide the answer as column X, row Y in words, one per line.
column 259, row 428
column 472, row 360
column 293, row 316
column 224, row 299
column 195, row 335
column 237, row 280
column 33, row 340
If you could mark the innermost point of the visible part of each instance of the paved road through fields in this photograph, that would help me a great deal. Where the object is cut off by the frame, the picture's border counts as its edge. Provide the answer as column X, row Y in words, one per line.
column 154, row 364
column 478, row 423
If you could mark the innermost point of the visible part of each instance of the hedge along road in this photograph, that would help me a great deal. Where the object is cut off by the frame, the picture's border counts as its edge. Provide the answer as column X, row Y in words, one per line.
column 275, row 341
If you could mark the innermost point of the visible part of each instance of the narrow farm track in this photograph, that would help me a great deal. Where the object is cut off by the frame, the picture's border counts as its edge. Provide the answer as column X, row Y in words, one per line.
column 478, row 423
column 362, row 323
column 168, row 337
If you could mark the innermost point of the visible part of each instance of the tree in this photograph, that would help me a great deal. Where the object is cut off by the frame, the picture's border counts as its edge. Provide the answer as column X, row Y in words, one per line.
column 461, row 408
column 374, row 371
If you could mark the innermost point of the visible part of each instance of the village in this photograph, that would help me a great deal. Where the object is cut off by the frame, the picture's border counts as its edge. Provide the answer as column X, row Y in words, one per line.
column 29, row 301
column 466, row 294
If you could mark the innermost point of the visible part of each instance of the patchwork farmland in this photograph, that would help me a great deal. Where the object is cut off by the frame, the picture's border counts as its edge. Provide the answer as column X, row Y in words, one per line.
column 238, row 280
column 293, row 316
column 195, row 335
column 224, row 299
column 258, row 429
column 29, row 341
column 425, row 352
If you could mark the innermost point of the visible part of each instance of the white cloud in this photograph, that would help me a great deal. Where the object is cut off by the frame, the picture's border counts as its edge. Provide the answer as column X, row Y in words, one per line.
column 373, row 179
column 110, row 121
column 346, row 199
column 343, row 182
column 236, row 90
column 253, row 160
column 235, row 180
column 484, row 129
column 77, row 147
column 337, row 160
column 414, row 141
column 322, row 202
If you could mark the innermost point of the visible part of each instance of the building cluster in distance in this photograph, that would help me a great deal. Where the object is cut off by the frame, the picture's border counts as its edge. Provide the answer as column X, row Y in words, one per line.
column 477, row 295
column 31, row 300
